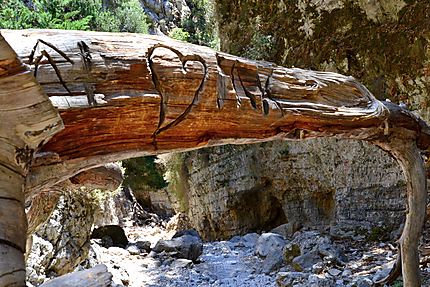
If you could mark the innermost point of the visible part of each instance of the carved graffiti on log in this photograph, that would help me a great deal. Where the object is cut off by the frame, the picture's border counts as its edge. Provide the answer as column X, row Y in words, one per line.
column 259, row 86
column 86, row 60
column 184, row 59
column 36, row 61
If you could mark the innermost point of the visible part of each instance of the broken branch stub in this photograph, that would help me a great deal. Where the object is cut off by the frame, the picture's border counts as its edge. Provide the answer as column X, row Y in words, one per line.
column 152, row 95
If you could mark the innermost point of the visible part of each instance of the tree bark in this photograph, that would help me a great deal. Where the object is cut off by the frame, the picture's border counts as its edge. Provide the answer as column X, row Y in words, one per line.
column 125, row 95
column 27, row 119
column 407, row 154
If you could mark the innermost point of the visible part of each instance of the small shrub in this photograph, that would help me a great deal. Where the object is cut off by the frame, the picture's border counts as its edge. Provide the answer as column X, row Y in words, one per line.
column 201, row 25
column 143, row 171
column 179, row 34
column 117, row 16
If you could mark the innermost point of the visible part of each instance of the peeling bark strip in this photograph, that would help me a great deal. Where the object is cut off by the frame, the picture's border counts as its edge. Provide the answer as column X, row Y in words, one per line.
column 157, row 95
column 27, row 119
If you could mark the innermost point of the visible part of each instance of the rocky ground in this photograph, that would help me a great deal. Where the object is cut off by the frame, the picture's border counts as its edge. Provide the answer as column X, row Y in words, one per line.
column 339, row 256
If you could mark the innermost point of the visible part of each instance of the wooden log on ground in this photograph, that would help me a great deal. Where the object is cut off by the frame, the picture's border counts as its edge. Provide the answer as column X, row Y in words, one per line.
column 97, row 276
column 126, row 95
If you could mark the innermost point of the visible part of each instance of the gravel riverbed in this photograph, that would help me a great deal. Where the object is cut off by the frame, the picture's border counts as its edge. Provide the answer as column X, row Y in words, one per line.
column 324, row 260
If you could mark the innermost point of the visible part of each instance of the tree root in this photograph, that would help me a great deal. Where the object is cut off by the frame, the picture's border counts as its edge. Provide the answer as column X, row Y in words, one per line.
column 395, row 272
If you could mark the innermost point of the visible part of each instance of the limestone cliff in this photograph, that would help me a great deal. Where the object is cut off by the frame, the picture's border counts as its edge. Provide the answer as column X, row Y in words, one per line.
column 235, row 189
column 166, row 15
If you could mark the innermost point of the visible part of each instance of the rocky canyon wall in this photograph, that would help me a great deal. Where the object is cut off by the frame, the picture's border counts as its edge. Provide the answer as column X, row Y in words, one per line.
column 236, row 189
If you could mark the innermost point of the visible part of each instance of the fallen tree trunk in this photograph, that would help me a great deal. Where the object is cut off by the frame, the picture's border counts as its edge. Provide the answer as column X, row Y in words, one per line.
column 125, row 95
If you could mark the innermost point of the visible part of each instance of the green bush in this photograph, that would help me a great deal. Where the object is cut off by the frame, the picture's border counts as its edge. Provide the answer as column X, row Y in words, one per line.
column 143, row 171
column 179, row 34
column 15, row 15
column 132, row 17
column 118, row 16
column 201, row 25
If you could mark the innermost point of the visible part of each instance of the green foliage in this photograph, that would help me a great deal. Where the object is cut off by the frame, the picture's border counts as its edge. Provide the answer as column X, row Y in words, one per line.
column 261, row 46
column 120, row 16
column 179, row 34
column 107, row 22
column 201, row 25
column 15, row 15
column 177, row 176
column 380, row 233
column 125, row 17
column 132, row 17
column 46, row 14
column 143, row 171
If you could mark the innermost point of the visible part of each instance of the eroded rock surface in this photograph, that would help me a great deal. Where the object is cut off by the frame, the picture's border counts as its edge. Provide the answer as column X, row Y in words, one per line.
column 166, row 14
column 236, row 189
column 63, row 242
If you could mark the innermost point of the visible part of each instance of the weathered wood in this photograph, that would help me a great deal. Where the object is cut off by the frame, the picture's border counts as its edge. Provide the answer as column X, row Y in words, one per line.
column 125, row 95
column 107, row 177
column 404, row 149
column 97, row 276
column 27, row 118
column 144, row 104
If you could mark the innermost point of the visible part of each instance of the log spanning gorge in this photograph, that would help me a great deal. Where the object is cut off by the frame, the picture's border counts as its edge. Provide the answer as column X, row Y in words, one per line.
column 122, row 95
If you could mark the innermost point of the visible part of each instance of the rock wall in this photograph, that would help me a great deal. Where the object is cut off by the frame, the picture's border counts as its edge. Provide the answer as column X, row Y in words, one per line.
column 61, row 220
column 63, row 242
column 237, row 189
column 165, row 15
column 385, row 44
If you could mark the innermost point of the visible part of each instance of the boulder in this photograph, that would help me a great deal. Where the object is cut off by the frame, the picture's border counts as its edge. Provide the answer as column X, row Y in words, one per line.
column 268, row 242
column 306, row 261
column 115, row 232
column 272, row 262
column 287, row 230
column 313, row 241
column 186, row 246
column 133, row 250
column 181, row 263
column 250, row 240
column 97, row 276
column 191, row 232
column 144, row 246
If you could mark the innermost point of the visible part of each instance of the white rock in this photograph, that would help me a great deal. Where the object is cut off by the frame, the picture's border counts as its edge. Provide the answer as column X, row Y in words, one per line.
column 268, row 242
column 334, row 272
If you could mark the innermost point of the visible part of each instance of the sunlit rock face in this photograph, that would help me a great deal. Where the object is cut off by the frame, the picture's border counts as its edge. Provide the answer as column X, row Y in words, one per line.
column 384, row 44
column 63, row 242
column 166, row 15
column 230, row 190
